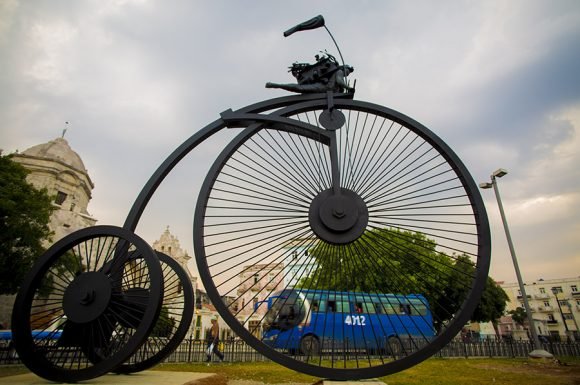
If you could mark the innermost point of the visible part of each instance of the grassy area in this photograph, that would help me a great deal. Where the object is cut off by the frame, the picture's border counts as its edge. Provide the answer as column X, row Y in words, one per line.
column 435, row 371
column 12, row 370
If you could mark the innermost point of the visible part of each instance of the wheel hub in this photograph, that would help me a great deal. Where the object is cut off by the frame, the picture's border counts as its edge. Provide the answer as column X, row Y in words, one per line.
column 338, row 218
column 87, row 297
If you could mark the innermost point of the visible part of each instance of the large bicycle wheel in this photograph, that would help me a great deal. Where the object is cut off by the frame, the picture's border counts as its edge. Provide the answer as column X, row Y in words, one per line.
column 173, row 322
column 346, row 243
column 87, row 304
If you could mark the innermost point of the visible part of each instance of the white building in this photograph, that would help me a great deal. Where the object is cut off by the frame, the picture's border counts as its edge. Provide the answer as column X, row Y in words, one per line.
column 257, row 283
column 204, row 311
column 169, row 245
column 298, row 264
column 554, row 303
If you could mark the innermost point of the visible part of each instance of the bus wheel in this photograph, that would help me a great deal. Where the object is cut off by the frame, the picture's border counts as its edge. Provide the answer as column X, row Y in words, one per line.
column 395, row 347
column 310, row 346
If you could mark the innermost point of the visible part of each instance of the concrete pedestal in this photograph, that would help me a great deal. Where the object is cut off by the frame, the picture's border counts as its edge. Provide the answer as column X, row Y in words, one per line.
column 148, row 377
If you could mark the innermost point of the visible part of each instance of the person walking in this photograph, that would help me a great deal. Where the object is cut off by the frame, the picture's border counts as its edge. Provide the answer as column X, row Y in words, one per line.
column 213, row 341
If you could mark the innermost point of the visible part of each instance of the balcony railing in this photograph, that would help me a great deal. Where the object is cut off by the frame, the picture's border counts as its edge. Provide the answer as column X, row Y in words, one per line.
column 545, row 309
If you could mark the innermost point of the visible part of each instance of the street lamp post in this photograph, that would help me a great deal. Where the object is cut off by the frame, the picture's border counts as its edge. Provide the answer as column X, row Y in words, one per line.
column 569, row 334
column 555, row 292
column 538, row 352
column 574, row 334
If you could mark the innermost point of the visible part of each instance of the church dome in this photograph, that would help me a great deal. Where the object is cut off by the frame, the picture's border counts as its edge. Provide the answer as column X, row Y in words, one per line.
column 58, row 150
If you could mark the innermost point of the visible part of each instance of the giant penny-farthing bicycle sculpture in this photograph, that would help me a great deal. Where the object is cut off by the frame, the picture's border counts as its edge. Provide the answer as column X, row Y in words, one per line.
column 337, row 237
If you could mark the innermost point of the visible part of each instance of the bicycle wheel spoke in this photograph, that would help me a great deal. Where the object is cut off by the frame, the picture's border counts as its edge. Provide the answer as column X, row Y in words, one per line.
column 366, row 274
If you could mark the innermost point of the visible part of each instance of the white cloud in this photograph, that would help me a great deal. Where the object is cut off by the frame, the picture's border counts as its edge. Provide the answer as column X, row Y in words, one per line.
column 544, row 209
column 50, row 61
column 7, row 10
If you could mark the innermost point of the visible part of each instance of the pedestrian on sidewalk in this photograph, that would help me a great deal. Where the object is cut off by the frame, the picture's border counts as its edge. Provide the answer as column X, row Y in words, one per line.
column 213, row 341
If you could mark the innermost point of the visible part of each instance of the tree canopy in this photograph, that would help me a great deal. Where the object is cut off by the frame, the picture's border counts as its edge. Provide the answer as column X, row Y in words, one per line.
column 519, row 315
column 24, row 217
column 403, row 262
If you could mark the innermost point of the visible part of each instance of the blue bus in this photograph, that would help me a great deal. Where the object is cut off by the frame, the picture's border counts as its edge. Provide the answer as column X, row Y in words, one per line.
column 6, row 335
column 307, row 321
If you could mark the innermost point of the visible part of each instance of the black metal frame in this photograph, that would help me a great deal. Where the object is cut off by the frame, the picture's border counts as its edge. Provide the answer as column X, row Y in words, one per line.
column 276, row 114
column 37, row 355
column 155, row 349
column 277, row 120
column 227, row 120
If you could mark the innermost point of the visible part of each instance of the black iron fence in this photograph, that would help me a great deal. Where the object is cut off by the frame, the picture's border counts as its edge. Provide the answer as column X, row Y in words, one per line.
column 506, row 348
column 191, row 350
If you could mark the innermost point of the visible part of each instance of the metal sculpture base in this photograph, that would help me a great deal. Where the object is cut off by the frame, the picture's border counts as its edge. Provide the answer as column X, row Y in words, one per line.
column 540, row 354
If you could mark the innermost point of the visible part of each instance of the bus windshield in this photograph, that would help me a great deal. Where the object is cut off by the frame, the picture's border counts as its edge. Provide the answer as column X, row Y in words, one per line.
column 286, row 309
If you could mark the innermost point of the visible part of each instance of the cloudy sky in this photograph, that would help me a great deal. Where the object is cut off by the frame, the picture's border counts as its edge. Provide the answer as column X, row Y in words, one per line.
column 499, row 81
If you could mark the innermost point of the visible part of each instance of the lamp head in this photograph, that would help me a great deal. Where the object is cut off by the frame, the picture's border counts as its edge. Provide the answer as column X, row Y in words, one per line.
column 499, row 172
column 485, row 185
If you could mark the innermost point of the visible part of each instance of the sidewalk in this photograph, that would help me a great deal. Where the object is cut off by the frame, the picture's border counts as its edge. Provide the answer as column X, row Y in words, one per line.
column 147, row 377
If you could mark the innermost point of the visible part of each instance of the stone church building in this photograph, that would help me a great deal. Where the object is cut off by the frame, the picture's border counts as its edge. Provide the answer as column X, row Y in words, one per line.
column 55, row 166
column 58, row 168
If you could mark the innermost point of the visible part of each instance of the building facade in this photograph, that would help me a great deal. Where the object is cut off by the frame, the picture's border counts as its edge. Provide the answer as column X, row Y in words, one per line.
column 204, row 310
column 257, row 283
column 169, row 244
column 59, row 169
column 554, row 303
column 298, row 263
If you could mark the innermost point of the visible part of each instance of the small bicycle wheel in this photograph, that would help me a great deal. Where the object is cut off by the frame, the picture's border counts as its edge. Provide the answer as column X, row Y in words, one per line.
column 347, row 243
column 85, row 308
column 173, row 322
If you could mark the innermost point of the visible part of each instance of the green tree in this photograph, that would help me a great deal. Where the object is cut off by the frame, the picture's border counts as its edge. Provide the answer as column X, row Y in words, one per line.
column 164, row 325
column 492, row 304
column 493, row 300
column 24, row 217
column 404, row 262
column 389, row 255
column 519, row 315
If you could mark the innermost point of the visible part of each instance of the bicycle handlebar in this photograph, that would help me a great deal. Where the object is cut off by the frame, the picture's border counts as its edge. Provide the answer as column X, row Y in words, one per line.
column 315, row 22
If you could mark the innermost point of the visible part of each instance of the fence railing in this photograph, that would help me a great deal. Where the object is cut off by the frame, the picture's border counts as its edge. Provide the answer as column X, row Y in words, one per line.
column 191, row 350
column 502, row 348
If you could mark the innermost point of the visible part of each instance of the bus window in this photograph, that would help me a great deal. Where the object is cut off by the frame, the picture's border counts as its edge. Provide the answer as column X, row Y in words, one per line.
column 418, row 307
column 404, row 308
column 315, row 305
column 331, row 306
column 368, row 308
column 322, row 300
column 286, row 311
column 338, row 306
column 389, row 308
column 343, row 307
column 317, row 301
column 378, row 308
column 364, row 307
